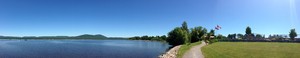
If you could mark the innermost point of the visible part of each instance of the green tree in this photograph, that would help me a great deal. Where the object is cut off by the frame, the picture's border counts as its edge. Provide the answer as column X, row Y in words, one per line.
column 212, row 32
column 164, row 37
column 135, row 38
column 229, row 36
column 220, row 36
column 197, row 33
column 240, row 36
column 157, row 38
column 249, row 34
column 185, row 26
column 293, row 34
column 210, row 37
column 259, row 36
column 145, row 37
column 177, row 36
column 248, row 30
column 234, row 36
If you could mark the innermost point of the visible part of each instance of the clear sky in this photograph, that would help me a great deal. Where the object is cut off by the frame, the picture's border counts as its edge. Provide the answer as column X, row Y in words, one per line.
column 126, row 18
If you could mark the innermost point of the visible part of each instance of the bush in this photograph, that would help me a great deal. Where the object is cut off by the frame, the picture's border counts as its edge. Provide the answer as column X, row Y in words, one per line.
column 197, row 33
column 178, row 36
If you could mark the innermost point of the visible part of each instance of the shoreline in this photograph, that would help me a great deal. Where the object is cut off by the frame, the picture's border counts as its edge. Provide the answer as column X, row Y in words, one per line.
column 171, row 53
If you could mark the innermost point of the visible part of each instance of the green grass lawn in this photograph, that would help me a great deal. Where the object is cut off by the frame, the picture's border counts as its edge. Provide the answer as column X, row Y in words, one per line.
column 184, row 48
column 252, row 50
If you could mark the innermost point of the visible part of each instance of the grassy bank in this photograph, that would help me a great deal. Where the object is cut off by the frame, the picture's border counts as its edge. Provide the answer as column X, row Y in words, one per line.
column 185, row 48
column 252, row 50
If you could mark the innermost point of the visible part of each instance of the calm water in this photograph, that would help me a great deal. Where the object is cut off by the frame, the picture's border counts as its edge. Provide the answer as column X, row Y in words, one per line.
column 80, row 49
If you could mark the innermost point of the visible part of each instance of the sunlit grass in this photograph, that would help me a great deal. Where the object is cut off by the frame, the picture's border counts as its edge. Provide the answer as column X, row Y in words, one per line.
column 252, row 50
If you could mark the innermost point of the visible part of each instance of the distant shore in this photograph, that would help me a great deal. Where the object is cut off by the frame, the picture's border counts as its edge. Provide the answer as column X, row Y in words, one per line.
column 80, row 37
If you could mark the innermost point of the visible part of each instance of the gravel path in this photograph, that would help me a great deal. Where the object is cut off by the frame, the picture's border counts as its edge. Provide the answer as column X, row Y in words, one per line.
column 195, row 52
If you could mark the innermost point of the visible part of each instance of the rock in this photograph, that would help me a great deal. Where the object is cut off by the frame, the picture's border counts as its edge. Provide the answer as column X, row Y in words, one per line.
column 171, row 53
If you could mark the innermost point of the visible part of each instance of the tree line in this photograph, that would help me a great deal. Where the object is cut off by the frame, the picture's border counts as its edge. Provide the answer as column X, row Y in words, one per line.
column 146, row 37
column 183, row 35
column 250, row 36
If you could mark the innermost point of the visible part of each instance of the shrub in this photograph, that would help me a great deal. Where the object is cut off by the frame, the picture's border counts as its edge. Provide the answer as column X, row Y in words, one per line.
column 197, row 33
column 178, row 36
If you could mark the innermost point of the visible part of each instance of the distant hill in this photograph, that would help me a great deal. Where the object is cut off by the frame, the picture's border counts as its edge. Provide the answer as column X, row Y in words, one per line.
column 88, row 36
column 84, row 36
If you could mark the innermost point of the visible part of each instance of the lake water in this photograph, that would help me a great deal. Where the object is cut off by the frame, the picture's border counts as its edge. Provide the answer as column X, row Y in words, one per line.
column 81, row 49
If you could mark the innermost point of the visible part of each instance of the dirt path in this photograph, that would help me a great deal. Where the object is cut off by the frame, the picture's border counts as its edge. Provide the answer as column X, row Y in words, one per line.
column 195, row 52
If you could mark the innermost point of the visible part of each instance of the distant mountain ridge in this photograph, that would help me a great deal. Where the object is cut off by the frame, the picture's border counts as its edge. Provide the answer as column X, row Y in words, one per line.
column 84, row 36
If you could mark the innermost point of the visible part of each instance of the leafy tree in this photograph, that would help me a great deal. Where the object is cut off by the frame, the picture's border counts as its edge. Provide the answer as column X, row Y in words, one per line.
column 197, row 33
column 135, row 38
column 259, row 36
column 234, row 36
column 240, row 36
column 277, row 37
column 223, row 37
column 185, row 26
column 248, row 30
column 293, row 34
column 145, row 37
column 212, row 33
column 229, row 36
column 249, row 34
column 154, row 38
column 220, row 36
column 178, row 36
column 164, row 37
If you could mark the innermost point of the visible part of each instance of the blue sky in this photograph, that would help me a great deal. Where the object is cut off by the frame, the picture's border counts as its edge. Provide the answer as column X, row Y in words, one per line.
column 126, row 18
